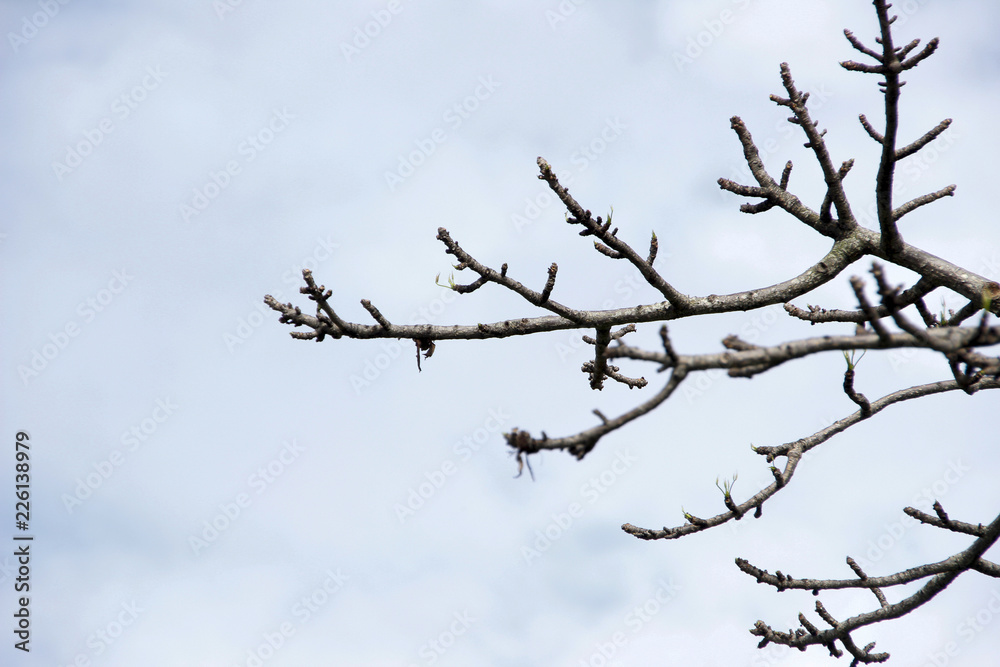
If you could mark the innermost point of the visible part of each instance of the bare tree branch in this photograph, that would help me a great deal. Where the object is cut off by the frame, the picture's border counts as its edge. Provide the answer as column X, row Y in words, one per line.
column 882, row 324
column 942, row 575
column 793, row 452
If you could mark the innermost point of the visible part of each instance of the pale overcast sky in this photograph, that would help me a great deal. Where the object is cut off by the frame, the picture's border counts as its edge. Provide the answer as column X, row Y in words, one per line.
column 207, row 491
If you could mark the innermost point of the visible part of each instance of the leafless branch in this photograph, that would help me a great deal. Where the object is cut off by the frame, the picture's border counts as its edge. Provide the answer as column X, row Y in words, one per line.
column 941, row 575
column 882, row 325
column 793, row 452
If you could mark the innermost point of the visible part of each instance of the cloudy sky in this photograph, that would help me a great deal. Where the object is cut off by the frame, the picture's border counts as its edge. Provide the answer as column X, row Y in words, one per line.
column 207, row 491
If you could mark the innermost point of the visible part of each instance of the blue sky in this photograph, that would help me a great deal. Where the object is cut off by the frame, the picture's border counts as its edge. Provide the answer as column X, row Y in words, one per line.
column 207, row 491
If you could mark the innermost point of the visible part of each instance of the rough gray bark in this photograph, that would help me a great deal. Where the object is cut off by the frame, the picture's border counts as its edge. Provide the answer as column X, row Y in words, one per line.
column 971, row 371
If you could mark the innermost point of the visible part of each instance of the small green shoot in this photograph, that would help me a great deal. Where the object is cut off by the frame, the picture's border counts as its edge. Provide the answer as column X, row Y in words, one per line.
column 451, row 281
column 727, row 486
column 851, row 361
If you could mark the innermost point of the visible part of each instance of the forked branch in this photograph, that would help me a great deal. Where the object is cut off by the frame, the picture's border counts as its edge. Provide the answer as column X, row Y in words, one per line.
column 896, row 319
